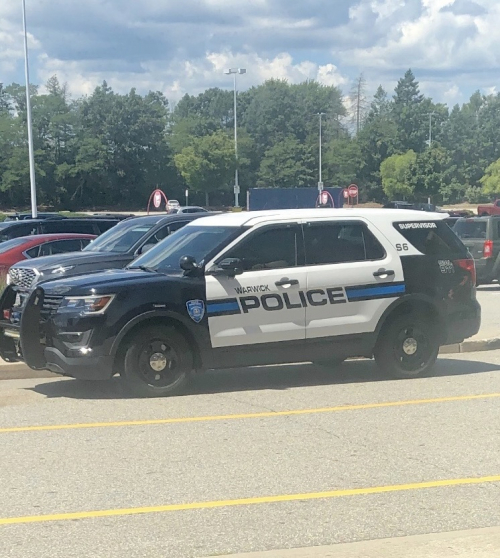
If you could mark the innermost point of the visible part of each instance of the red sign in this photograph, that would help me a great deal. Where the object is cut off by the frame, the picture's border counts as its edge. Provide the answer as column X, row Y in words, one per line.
column 353, row 191
column 324, row 198
column 157, row 199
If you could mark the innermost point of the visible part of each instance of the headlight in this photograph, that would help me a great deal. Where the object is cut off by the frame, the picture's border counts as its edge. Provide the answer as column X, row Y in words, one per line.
column 96, row 304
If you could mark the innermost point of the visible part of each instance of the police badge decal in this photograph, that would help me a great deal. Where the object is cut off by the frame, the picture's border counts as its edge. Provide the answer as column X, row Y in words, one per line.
column 196, row 310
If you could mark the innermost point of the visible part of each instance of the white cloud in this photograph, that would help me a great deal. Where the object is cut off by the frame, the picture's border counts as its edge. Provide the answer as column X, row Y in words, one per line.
column 452, row 45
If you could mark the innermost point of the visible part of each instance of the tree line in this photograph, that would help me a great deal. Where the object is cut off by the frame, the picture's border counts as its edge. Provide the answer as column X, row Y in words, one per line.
column 111, row 150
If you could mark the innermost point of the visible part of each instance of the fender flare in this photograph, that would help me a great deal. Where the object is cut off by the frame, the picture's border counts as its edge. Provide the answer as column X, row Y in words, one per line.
column 147, row 316
column 411, row 298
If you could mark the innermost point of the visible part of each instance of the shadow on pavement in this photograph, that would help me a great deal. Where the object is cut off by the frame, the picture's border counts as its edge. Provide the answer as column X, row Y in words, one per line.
column 262, row 378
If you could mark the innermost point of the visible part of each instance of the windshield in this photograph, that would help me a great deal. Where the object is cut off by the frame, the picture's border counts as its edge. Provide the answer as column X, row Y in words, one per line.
column 120, row 238
column 198, row 242
column 470, row 229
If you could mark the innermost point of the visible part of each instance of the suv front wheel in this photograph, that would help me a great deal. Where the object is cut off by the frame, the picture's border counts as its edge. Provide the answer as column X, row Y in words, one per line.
column 158, row 362
column 407, row 347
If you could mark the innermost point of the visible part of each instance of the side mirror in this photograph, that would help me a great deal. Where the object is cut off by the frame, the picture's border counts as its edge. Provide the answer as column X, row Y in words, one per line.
column 188, row 263
column 231, row 266
column 145, row 248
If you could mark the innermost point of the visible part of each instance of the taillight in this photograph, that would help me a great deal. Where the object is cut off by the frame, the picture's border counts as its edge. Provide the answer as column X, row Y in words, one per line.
column 6, row 314
column 488, row 249
column 469, row 266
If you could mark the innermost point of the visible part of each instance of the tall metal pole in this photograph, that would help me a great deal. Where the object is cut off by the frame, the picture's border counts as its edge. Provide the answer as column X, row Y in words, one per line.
column 431, row 114
column 28, row 115
column 236, row 185
column 320, row 183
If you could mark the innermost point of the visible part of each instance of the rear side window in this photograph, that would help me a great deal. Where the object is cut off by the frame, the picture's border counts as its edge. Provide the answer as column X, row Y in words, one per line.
column 471, row 228
column 67, row 226
column 432, row 238
column 331, row 243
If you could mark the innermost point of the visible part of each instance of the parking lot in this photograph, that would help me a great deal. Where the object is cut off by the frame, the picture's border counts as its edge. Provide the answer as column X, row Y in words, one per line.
column 256, row 459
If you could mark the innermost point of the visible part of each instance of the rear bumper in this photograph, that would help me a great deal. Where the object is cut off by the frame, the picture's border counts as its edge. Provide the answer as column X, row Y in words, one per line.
column 82, row 368
column 464, row 324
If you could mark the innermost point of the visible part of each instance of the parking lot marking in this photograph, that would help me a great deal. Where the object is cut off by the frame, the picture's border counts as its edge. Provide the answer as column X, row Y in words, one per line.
column 248, row 501
column 265, row 414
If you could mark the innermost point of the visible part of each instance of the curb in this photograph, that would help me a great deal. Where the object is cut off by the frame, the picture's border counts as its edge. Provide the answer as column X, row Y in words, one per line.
column 19, row 371
column 471, row 346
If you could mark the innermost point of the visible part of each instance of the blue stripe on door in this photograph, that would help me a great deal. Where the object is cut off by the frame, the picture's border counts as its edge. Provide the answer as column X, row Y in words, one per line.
column 375, row 291
column 223, row 307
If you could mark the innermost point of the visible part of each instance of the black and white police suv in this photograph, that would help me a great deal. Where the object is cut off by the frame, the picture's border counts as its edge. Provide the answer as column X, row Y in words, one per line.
column 260, row 288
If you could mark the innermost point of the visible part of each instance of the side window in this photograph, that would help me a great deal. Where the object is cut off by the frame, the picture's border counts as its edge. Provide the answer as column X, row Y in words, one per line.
column 331, row 243
column 61, row 246
column 62, row 226
column 22, row 230
column 85, row 242
column 33, row 252
column 272, row 248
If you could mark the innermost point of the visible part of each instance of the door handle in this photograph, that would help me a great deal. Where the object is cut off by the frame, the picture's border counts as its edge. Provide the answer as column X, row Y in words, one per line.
column 285, row 281
column 382, row 272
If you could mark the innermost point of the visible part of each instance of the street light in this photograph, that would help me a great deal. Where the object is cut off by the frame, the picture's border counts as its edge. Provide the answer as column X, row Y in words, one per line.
column 431, row 114
column 320, row 183
column 234, row 72
column 28, row 116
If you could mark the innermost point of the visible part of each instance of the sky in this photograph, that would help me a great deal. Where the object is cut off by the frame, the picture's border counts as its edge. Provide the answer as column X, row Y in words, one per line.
column 178, row 47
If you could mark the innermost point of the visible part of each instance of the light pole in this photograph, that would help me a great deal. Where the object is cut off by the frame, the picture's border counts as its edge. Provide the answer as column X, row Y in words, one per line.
column 28, row 117
column 431, row 114
column 234, row 72
column 320, row 183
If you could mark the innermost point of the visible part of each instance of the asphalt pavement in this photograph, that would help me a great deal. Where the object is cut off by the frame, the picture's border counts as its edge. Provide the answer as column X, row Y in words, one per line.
column 489, row 299
column 249, row 461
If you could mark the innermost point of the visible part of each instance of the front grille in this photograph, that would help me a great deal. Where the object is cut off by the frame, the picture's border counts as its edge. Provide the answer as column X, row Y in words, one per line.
column 50, row 305
column 22, row 277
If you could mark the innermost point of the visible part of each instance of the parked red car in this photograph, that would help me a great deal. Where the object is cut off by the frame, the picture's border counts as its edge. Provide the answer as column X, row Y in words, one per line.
column 26, row 247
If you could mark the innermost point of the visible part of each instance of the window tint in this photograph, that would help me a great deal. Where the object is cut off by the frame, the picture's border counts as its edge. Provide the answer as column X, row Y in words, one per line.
column 269, row 249
column 33, row 252
column 330, row 243
column 60, row 247
column 470, row 228
column 432, row 238
column 121, row 238
column 16, row 231
column 67, row 226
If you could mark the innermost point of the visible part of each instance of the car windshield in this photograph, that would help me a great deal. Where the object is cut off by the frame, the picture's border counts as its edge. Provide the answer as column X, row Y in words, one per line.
column 196, row 241
column 120, row 238
column 470, row 229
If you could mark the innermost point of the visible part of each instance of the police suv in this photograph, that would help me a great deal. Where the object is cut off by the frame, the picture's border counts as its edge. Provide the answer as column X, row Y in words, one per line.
column 257, row 288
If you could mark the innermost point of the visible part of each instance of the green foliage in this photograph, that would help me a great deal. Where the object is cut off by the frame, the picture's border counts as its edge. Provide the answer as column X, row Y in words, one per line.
column 287, row 164
column 208, row 164
column 491, row 179
column 111, row 150
column 396, row 175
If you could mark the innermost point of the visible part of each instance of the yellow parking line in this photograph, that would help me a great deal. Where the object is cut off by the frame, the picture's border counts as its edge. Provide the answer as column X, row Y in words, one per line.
column 248, row 501
column 266, row 414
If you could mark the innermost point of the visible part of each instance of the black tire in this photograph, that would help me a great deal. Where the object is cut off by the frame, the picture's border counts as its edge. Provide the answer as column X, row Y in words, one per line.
column 407, row 346
column 163, row 346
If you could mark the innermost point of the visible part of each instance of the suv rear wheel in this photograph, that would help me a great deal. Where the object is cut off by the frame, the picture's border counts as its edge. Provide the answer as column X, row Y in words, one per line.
column 158, row 362
column 407, row 347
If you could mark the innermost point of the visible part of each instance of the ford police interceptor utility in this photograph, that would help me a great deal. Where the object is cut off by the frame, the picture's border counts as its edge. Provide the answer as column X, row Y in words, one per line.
column 258, row 288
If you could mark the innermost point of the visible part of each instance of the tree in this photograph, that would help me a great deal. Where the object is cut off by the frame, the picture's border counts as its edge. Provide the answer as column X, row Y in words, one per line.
column 395, row 172
column 358, row 103
column 491, row 179
column 208, row 164
column 288, row 164
column 343, row 162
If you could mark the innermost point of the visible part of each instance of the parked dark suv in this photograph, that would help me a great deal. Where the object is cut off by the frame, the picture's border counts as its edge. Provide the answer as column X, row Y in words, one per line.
column 113, row 250
column 83, row 225
column 481, row 235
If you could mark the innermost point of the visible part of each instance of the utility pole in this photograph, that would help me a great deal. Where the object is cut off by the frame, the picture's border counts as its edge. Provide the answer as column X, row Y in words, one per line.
column 28, row 117
column 236, row 71
column 431, row 114
column 320, row 183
